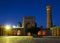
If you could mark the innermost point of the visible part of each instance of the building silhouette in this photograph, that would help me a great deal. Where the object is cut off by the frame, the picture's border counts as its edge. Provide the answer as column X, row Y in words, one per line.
column 28, row 21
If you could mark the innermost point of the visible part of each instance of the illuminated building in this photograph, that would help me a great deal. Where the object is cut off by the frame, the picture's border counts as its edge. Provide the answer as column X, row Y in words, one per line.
column 18, row 31
column 55, row 31
column 28, row 24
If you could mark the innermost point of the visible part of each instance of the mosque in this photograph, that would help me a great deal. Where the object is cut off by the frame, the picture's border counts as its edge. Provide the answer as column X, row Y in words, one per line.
column 28, row 27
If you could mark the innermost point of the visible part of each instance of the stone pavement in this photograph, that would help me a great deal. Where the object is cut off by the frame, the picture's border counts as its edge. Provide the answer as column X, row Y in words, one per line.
column 28, row 39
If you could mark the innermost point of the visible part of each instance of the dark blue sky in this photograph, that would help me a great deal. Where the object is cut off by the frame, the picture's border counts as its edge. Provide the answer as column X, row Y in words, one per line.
column 12, row 11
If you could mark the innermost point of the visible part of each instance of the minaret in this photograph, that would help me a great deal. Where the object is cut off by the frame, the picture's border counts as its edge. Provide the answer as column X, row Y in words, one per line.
column 49, row 16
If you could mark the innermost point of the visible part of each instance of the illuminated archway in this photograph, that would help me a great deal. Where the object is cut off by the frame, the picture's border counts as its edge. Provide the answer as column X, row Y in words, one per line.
column 39, row 33
column 18, row 32
column 43, row 32
column 28, row 33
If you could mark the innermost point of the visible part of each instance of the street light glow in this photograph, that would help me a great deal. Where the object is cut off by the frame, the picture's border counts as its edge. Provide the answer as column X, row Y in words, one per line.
column 14, row 26
column 7, row 26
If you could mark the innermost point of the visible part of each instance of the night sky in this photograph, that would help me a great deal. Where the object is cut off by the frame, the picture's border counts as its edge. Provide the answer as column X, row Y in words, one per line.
column 12, row 11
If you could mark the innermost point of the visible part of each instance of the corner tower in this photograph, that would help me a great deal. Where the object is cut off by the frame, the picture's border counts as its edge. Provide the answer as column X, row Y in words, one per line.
column 49, row 16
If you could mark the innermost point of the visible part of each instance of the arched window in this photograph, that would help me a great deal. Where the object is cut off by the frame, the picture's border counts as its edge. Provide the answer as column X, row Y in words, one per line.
column 14, row 32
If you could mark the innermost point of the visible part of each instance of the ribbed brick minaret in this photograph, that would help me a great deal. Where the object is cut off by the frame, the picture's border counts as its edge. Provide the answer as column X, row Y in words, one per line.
column 49, row 16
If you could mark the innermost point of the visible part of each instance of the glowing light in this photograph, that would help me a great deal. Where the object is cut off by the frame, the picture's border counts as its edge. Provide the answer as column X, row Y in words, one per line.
column 7, row 26
column 19, row 32
column 29, row 34
column 39, row 33
column 43, row 32
column 14, row 26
